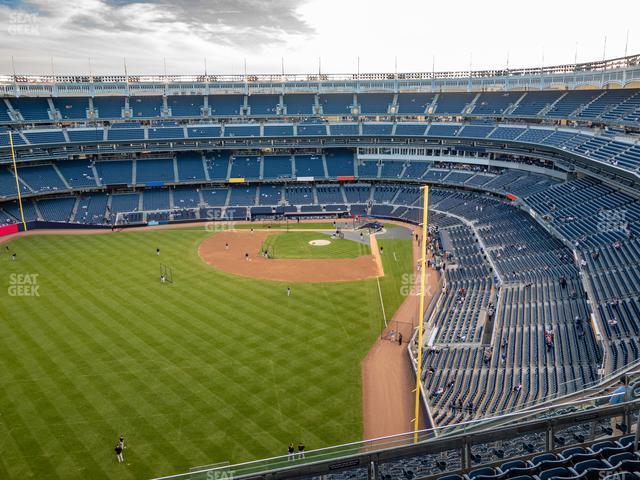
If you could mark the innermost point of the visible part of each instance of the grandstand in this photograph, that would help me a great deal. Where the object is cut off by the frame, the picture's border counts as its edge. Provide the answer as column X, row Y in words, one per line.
column 534, row 225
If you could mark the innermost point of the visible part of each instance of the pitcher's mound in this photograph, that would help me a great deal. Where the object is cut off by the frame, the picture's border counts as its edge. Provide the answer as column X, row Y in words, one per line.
column 319, row 243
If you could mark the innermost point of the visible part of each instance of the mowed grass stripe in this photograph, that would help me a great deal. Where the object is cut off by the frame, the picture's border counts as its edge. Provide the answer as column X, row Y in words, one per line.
column 115, row 395
column 214, row 367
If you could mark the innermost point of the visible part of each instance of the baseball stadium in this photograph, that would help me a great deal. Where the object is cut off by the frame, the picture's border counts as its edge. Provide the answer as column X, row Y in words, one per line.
column 419, row 275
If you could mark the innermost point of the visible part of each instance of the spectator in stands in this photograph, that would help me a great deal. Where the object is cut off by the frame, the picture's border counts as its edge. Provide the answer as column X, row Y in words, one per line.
column 491, row 312
column 619, row 395
column 563, row 282
column 615, row 304
column 548, row 339
column 487, row 356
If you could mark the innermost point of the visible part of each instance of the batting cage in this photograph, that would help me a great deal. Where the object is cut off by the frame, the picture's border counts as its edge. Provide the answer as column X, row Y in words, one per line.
column 166, row 273
column 396, row 329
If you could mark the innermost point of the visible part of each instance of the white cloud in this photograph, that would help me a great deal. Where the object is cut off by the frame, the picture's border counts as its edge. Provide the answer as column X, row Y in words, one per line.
column 227, row 31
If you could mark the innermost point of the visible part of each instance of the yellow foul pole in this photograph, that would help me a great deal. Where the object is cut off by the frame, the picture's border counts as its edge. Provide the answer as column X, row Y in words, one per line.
column 15, row 172
column 423, row 272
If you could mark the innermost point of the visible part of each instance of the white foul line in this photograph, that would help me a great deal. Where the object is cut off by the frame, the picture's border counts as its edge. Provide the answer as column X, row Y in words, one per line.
column 384, row 315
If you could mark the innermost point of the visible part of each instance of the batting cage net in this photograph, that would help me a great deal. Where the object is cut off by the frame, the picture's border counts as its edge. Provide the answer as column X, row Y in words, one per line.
column 166, row 273
column 397, row 331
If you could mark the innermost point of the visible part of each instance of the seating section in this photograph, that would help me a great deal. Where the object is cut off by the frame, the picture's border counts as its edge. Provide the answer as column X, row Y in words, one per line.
column 506, row 280
column 340, row 163
column 453, row 103
column 606, row 148
column 155, row 170
column 603, row 225
column 185, row 105
column 32, row 109
column 336, row 103
column 245, row 167
column 495, row 103
column 583, row 450
column 614, row 105
column 57, row 209
column 190, row 166
column 42, row 178
column 91, row 209
column 145, row 107
column 225, row 105
column 375, row 103
column 77, row 173
column 277, row 166
column 263, row 104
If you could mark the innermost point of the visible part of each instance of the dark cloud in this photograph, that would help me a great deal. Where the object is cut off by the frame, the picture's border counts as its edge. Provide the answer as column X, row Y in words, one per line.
column 241, row 23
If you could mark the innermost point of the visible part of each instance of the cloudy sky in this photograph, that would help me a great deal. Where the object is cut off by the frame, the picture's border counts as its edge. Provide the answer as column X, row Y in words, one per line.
column 226, row 32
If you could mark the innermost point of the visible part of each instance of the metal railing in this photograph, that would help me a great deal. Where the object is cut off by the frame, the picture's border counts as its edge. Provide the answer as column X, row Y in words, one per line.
column 596, row 412
column 585, row 67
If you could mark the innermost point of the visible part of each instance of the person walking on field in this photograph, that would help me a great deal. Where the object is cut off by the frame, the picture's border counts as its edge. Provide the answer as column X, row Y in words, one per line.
column 288, row 291
column 291, row 452
column 301, row 450
column 400, row 339
column 157, row 252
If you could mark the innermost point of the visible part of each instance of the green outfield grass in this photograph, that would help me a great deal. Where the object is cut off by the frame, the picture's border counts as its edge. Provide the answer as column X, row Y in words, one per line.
column 212, row 368
column 296, row 245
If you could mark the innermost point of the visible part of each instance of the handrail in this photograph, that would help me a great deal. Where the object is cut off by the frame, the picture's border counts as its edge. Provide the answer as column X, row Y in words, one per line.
column 369, row 446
